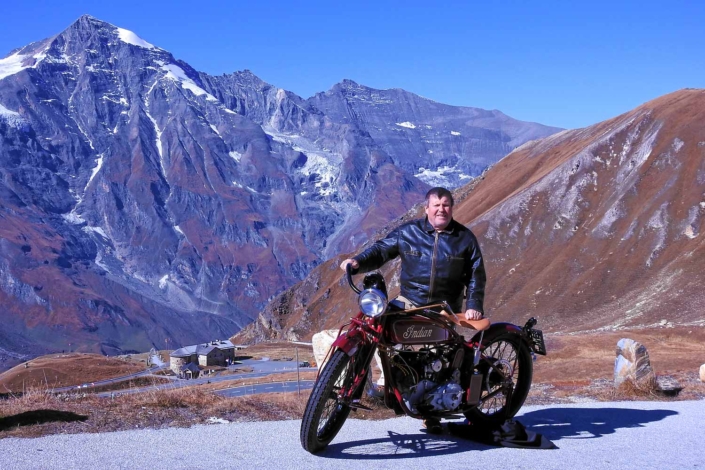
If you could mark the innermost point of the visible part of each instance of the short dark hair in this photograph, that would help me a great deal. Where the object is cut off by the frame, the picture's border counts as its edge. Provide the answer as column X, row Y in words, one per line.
column 439, row 193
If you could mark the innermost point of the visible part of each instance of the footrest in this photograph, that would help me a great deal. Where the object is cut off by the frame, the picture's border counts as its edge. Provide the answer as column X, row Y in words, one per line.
column 356, row 405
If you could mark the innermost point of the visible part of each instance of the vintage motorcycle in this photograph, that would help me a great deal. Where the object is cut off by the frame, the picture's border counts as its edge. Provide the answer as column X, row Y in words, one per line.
column 430, row 370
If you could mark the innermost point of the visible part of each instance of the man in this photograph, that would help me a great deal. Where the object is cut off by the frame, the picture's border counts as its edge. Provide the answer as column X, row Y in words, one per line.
column 440, row 260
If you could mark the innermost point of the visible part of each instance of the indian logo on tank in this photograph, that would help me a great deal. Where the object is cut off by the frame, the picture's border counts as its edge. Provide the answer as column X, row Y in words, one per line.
column 414, row 332
column 417, row 332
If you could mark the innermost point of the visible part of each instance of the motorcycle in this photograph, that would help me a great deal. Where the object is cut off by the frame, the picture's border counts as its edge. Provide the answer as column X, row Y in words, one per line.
column 430, row 370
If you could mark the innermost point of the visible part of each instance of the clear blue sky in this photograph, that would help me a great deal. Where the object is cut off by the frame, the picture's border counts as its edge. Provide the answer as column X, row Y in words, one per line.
column 562, row 63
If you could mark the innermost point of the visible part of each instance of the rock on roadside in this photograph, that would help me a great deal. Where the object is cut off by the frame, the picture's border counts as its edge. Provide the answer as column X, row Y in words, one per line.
column 322, row 341
column 632, row 363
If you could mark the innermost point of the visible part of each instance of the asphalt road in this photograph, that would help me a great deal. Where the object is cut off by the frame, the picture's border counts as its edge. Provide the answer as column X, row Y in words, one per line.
column 265, row 387
column 261, row 369
column 624, row 435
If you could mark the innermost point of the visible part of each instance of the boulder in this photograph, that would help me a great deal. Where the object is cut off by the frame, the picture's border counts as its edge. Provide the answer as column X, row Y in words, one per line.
column 702, row 373
column 668, row 386
column 322, row 342
column 632, row 363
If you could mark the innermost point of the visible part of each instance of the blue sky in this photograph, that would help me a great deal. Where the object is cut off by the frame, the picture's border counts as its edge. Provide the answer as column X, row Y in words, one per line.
column 559, row 63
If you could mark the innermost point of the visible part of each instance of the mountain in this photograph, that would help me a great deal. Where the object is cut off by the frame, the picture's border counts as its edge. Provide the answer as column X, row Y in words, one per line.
column 142, row 200
column 440, row 144
column 588, row 230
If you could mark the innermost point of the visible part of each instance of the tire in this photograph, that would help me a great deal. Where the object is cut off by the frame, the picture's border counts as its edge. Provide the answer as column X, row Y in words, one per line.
column 506, row 355
column 324, row 416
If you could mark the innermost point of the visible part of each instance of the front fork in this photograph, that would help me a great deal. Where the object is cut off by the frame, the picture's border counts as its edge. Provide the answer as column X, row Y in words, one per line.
column 360, row 343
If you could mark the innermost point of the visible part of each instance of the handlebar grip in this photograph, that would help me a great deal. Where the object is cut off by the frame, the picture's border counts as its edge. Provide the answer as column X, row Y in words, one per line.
column 348, row 272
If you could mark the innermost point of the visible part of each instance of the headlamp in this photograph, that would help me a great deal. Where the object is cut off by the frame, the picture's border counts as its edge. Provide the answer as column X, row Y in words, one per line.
column 373, row 302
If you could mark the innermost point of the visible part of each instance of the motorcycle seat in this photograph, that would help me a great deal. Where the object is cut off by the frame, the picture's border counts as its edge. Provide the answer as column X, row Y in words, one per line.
column 479, row 325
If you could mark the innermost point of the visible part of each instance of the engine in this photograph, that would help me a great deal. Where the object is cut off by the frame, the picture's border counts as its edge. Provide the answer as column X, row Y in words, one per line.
column 429, row 377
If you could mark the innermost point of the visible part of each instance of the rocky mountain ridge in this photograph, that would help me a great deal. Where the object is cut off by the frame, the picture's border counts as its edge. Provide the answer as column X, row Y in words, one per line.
column 142, row 200
column 589, row 230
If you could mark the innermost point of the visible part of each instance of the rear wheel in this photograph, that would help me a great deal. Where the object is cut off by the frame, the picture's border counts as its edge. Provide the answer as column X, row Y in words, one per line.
column 325, row 411
column 506, row 365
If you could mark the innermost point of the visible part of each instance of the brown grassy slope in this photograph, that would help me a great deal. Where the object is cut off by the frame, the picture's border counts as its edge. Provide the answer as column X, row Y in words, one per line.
column 278, row 350
column 599, row 226
column 62, row 370
column 153, row 409
column 588, row 357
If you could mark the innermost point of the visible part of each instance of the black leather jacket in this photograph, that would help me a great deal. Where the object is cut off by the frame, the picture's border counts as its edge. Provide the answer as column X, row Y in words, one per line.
column 435, row 266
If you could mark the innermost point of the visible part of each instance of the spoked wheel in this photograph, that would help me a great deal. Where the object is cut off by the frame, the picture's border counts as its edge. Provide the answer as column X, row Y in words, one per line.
column 325, row 412
column 507, row 367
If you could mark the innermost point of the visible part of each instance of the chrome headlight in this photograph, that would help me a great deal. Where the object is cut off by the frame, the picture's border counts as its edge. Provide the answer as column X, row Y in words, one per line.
column 372, row 302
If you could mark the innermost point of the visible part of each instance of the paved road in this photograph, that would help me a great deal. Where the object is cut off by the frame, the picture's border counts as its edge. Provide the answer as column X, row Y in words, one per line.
column 259, row 365
column 263, row 370
column 625, row 435
column 273, row 387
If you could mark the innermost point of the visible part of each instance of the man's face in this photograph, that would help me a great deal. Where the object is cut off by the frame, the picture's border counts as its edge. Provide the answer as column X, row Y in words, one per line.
column 439, row 212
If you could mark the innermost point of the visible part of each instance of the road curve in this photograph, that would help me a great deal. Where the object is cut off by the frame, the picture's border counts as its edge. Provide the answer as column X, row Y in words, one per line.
column 623, row 435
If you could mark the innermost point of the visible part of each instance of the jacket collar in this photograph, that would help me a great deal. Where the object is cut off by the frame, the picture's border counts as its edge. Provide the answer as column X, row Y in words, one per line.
column 450, row 228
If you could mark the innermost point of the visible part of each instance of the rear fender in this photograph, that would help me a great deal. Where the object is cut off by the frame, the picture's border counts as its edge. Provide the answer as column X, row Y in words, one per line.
column 497, row 329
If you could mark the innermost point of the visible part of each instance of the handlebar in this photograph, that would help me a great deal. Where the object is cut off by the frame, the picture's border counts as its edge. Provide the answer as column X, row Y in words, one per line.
column 348, row 272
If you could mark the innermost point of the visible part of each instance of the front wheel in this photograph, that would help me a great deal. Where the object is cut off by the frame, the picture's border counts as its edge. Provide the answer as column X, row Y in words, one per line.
column 506, row 366
column 325, row 412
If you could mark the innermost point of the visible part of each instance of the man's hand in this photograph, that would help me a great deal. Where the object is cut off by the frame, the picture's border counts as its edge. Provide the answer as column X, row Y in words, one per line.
column 354, row 263
column 472, row 314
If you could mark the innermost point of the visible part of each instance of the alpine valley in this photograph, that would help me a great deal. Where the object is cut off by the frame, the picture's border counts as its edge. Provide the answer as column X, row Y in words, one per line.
column 142, row 200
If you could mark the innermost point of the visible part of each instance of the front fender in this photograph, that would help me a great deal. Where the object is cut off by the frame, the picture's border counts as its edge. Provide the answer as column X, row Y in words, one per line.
column 348, row 342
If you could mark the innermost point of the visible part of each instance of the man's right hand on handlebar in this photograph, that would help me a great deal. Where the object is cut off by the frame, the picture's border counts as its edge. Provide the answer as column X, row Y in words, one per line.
column 351, row 261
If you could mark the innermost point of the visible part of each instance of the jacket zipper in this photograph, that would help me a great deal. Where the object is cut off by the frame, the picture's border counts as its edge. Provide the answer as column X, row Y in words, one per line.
column 433, row 269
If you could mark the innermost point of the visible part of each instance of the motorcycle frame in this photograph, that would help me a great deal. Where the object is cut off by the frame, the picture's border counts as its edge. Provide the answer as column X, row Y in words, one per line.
column 363, row 331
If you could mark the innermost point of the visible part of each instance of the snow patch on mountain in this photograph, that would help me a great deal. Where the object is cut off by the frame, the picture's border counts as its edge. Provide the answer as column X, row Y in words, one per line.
column 235, row 155
column 131, row 38
column 158, row 141
column 98, row 230
column 177, row 74
column 11, row 117
column 17, row 62
column 406, row 124
column 96, row 169
column 12, row 65
column 440, row 176
column 73, row 218
column 321, row 163
column 326, row 173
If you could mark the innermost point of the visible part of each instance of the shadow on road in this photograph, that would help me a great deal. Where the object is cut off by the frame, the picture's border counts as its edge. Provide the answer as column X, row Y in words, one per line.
column 401, row 446
column 29, row 418
column 553, row 423
column 588, row 423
